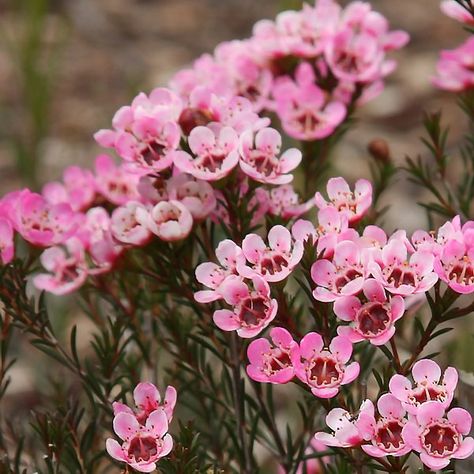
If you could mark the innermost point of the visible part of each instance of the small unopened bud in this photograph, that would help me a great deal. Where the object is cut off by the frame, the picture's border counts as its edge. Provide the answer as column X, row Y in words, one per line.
column 191, row 118
column 379, row 150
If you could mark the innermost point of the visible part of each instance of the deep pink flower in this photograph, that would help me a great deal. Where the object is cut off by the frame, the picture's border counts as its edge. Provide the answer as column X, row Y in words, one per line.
column 125, row 226
column 455, row 68
column 147, row 399
column 304, row 108
column 142, row 446
column 439, row 437
column 212, row 275
column 7, row 245
column 401, row 276
column 353, row 205
column 198, row 196
column 275, row 261
column 169, row 220
column 41, row 223
column 283, row 201
column 324, row 369
column 454, row 10
column 253, row 308
column 385, row 432
column 214, row 153
column 343, row 424
column 271, row 362
column 428, row 386
column 344, row 275
column 372, row 319
column 259, row 157
column 78, row 189
column 67, row 268
column 114, row 183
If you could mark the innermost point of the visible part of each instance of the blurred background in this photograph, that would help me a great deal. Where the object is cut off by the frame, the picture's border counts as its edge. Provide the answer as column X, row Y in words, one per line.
column 67, row 65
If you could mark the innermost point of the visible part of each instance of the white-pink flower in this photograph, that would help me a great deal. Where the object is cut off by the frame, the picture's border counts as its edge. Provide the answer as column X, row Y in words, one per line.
column 259, row 157
column 439, row 437
column 324, row 369
column 253, row 308
column 428, row 386
column 371, row 319
column 125, row 226
column 275, row 261
column 271, row 361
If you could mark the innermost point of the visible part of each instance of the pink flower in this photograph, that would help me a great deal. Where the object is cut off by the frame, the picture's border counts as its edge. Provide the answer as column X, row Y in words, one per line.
column 304, row 108
column 272, row 362
column 253, row 308
column 455, row 68
column 114, row 183
column 275, row 261
column 169, row 220
column 214, row 153
column 210, row 274
column 454, row 10
column 353, row 205
column 343, row 276
column 372, row 320
column 198, row 196
column 142, row 446
column 439, row 437
column 401, row 276
column 324, row 370
column 146, row 132
column 125, row 226
column 67, row 268
column 283, row 201
column 7, row 245
column 344, row 426
column 428, row 386
column 41, row 223
column 147, row 399
column 259, row 160
column 356, row 53
column 385, row 433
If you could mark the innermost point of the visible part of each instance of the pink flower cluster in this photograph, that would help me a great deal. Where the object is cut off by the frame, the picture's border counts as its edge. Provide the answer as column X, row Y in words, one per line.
column 409, row 417
column 455, row 67
column 307, row 66
column 144, row 432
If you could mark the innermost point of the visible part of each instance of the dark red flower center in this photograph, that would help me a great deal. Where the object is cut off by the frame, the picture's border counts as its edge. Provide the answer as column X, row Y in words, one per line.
column 272, row 264
column 390, row 435
column 373, row 319
column 253, row 310
column 462, row 273
column 349, row 275
column 440, row 439
column 399, row 276
column 324, row 371
column 142, row 448
column 278, row 360
column 425, row 393
column 152, row 152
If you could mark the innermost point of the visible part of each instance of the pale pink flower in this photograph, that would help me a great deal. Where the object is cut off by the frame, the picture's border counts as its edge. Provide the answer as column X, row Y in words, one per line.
column 253, row 308
column 153, row 190
column 197, row 195
column 169, row 220
column 212, row 275
column 353, row 205
column 323, row 369
column 78, row 189
column 41, row 223
column 372, row 241
column 455, row 68
column 428, row 386
column 343, row 424
column 403, row 276
column 7, row 244
column 283, row 201
column 372, row 319
column 142, row 446
column 385, row 432
column 275, row 261
column 67, row 268
column 304, row 109
column 125, row 226
column 114, row 183
column 259, row 157
column 343, row 276
column 454, row 10
column 214, row 153
column 439, row 437
column 147, row 399
column 271, row 362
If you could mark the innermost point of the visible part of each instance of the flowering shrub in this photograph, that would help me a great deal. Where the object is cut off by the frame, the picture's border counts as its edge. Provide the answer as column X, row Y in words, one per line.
column 199, row 263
